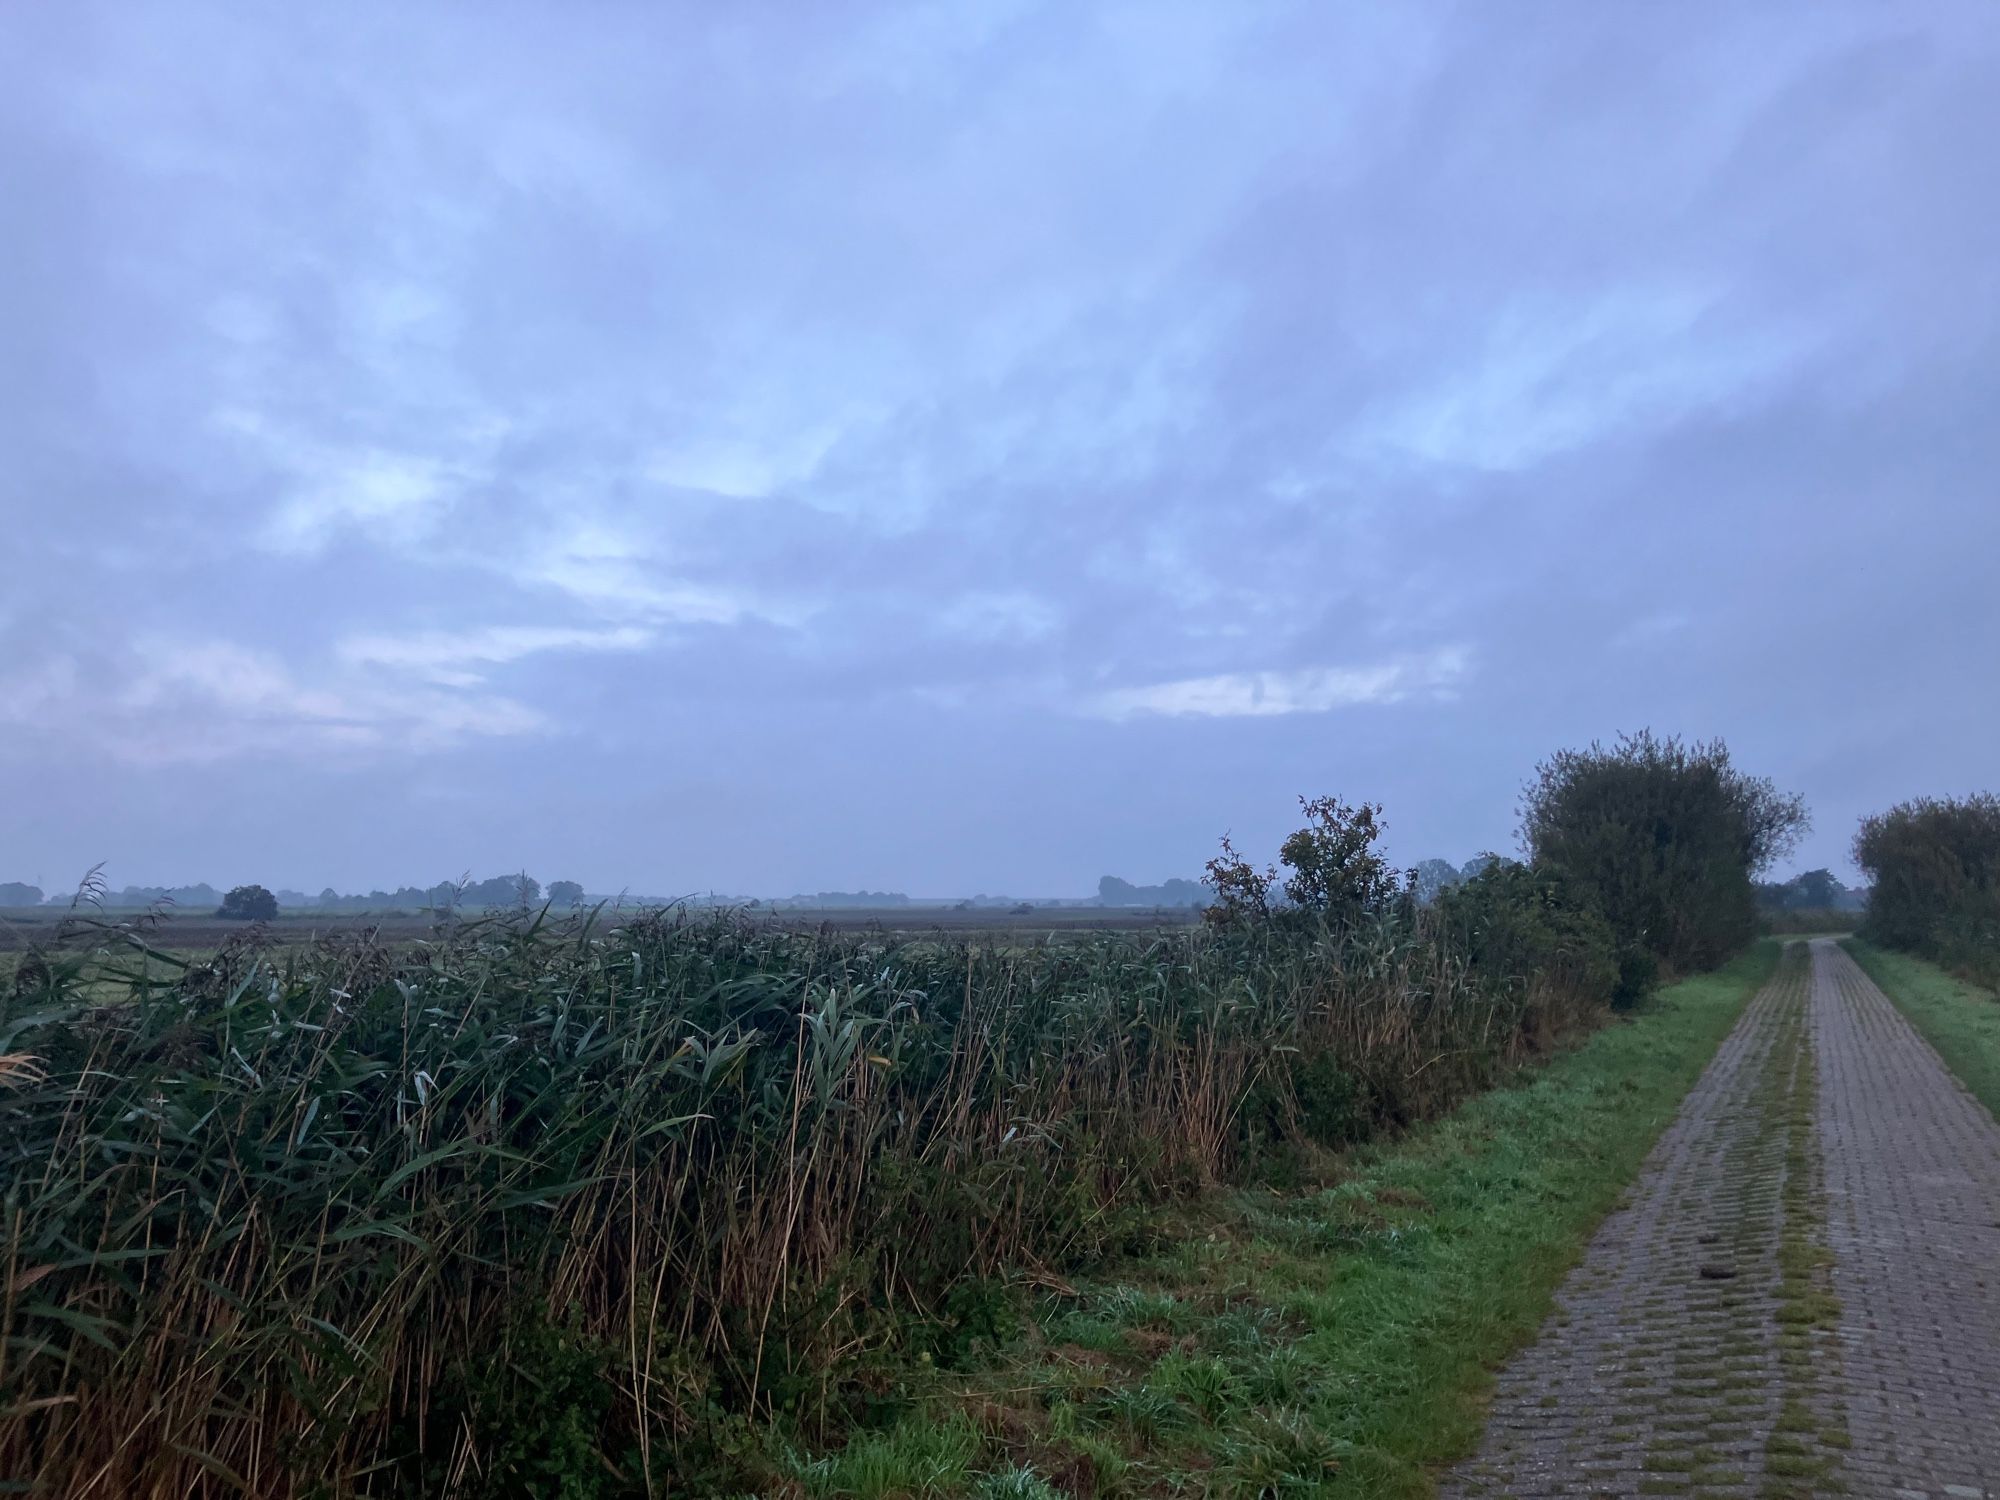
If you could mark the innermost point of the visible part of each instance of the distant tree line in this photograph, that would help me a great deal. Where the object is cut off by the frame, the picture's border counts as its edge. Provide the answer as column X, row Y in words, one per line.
column 866, row 900
column 1112, row 891
column 518, row 889
column 1811, row 890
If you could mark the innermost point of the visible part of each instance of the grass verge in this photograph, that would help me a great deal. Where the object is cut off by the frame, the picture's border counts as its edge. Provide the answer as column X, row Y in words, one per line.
column 1958, row 1018
column 1335, row 1339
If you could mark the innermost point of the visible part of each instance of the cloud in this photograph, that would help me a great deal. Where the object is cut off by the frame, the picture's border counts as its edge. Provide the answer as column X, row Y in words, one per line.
column 802, row 420
column 173, row 701
column 460, row 659
column 1307, row 690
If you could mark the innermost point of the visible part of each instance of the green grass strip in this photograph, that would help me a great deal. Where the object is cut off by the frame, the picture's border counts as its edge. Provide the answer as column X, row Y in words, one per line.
column 1333, row 1341
column 1959, row 1019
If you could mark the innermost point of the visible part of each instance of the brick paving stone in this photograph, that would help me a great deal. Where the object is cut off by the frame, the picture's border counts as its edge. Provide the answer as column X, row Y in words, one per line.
column 1912, row 1169
column 1652, row 1379
column 1591, row 1408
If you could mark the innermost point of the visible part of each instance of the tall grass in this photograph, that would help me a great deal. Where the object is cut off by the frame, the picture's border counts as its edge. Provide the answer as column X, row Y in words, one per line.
column 559, row 1208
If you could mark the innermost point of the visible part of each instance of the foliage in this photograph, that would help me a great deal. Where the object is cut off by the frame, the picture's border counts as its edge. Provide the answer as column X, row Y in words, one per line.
column 1429, row 878
column 1935, row 867
column 370, row 1218
column 1337, row 871
column 1810, row 891
column 521, row 889
column 1663, row 836
column 248, row 903
column 1478, row 864
column 565, row 893
column 857, row 900
column 1528, row 926
column 14, row 893
column 1112, row 891
column 1242, row 892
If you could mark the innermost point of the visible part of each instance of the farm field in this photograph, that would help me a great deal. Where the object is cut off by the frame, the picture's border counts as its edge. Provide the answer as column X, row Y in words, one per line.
column 184, row 932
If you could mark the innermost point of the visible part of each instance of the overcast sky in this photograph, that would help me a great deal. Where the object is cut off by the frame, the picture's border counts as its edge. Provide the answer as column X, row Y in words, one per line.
column 952, row 448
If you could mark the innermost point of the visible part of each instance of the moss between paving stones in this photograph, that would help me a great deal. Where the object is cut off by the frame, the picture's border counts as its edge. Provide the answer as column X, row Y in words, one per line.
column 1801, row 1456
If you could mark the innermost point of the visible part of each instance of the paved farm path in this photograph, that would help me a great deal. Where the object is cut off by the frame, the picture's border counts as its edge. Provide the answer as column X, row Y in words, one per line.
column 1801, row 1294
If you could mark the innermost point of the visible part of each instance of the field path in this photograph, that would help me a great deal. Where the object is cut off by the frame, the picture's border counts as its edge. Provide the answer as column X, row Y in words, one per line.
column 1801, row 1294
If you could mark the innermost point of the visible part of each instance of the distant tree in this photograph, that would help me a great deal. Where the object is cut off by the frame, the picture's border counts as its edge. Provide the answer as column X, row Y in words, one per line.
column 248, row 903
column 1773, row 895
column 565, row 893
column 1478, row 865
column 1663, row 837
column 1817, row 890
column 504, row 890
column 1112, row 891
column 1432, row 877
column 851, row 900
column 14, row 893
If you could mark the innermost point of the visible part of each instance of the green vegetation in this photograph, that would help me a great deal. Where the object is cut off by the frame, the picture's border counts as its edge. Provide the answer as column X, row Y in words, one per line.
column 1960, row 1019
column 1935, row 864
column 1112, row 891
column 1664, row 839
column 1331, row 1339
column 1809, row 891
column 588, row 1210
column 1514, row 919
column 330, row 1209
column 248, row 903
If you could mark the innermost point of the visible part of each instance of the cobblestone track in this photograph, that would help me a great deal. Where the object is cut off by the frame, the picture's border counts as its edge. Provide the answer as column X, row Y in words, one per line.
column 1652, row 1378
column 1912, row 1171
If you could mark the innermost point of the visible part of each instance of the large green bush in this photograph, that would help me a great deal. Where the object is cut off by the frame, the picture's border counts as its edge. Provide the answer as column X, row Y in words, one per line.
column 1934, row 864
column 1664, row 838
column 1525, row 926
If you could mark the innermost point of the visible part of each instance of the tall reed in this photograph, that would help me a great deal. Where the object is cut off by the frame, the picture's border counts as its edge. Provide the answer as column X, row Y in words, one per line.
column 588, row 1196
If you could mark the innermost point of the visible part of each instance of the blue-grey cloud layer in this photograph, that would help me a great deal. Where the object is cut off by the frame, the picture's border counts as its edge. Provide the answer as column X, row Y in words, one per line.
column 956, row 448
